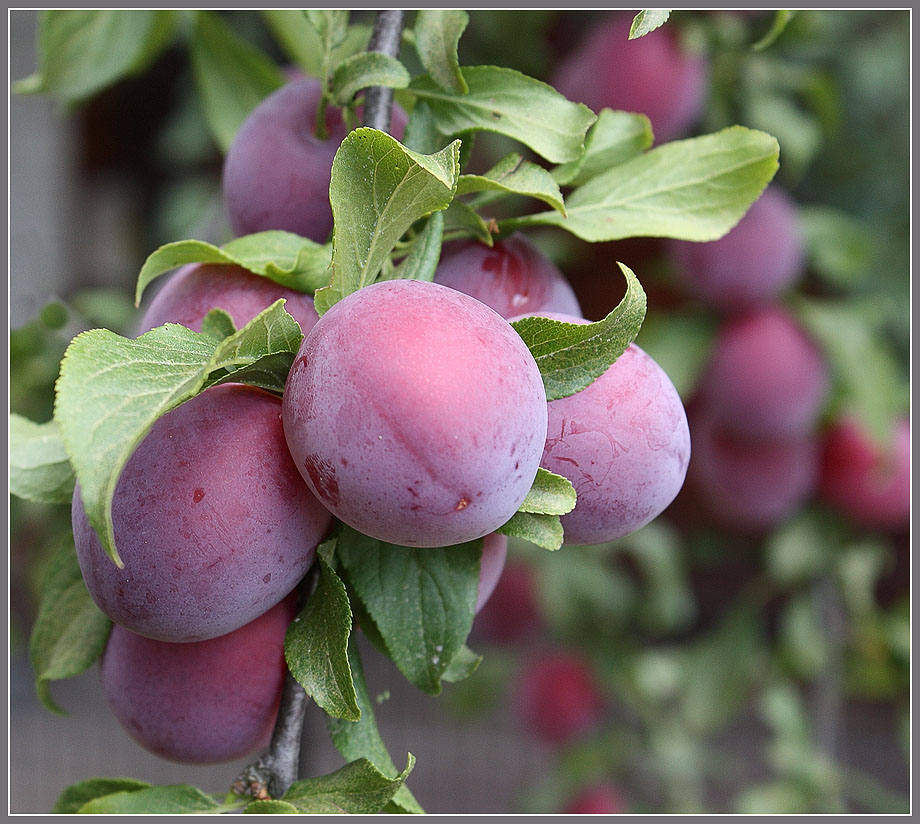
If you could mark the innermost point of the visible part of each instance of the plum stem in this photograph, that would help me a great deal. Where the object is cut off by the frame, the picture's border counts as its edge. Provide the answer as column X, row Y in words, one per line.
column 386, row 38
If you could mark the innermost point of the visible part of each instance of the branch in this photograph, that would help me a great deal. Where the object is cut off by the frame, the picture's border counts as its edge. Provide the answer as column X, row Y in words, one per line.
column 386, row 37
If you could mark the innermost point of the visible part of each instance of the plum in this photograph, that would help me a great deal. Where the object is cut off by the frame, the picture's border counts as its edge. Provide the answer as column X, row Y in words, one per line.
column 599, row 798
column 192, row 291
column 511, row 614
column 494, row 554
column 203, row 702
column 750, row 266
column 513, row 276
column 416, row 414
column 212, row 521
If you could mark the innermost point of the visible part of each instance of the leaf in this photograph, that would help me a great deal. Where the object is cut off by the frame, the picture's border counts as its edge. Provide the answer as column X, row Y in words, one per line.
column 360, row 71
column 544, row 531
column 331, row 26
column 316, row 643
column 437, row 35
column 379, row 188
column 232, row 76
column 647, row 21
column 694, row 189
column 510, row 103
column 614, row 138
column 76, row 795
column 465, row 663
column 781, row 18
column 69, row 632
column 571, row 356
column 270, row 807
column 422, row 260
column 288, row 259
column 39, row 468
column 361, row 739
column 421, row 600
column 112, row 389
column 514, row 175
column 300, row 40
column 461, row 220
column 81, row 51
column 840, row 246
column 175, row 799
column 551, row 494
column 680, row 343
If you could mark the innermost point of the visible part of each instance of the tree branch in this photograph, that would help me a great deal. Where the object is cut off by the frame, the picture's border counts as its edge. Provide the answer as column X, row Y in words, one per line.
column 386, row 37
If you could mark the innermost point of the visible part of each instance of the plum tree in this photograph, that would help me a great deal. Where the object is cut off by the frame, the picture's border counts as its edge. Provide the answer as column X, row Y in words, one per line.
column 867, row 483
column 416, row 414
column 765, row 377
column 192, row 291
column 624, row 444
column 750, row 266
column 654, row 75
column 203, row 702
column 276, row 173
column 494, row 554
column 211, row 519
column 600, row 798
column 513, row 276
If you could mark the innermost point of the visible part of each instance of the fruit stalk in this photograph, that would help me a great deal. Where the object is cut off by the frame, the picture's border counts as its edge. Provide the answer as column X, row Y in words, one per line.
column 386, row 37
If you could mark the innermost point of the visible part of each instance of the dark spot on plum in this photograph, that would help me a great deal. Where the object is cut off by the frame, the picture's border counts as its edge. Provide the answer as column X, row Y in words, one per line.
column 198, row 495
column 322, row 473
column 267, row 578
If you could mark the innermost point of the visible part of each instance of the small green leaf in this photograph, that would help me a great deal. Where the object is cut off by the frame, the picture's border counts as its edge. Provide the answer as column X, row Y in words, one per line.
column 366, row 69
column 217, row 324
column 76, row 795
column 544, row 531
column 331, row 26
column 464, row 664
column 316, row 643
column 111, row 390
column 550, row 494
column 39, row 467
column 437, row 35
column 379, row 188
column 571, row 356
column 300, row 40
column 461, row 220
column 781, row 19
column 647, row 21
column 422, row 260
column 614, row 138
column 694, row 189
column 69, row 632
column 176, row 799
column 510, row 103
column 232, row 76
column 514, row 175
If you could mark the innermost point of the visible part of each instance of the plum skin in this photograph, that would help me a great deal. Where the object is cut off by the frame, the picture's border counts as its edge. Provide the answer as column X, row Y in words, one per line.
column 491, row 566
column 211, row 518
column 600, row 798
column 192, row 291
column 204, row 702
column 416, row 414
column 513, row 276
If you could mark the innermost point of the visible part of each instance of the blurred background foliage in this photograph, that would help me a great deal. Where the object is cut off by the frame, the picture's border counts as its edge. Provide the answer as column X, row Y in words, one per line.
column 757, row 672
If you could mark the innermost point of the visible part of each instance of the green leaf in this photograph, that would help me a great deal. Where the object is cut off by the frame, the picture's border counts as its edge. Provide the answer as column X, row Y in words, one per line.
column 331, row 26
column 361, row 739
column 550, row 494
column 300, row 40
column 366, row 69
column 76, row 795
column 69, row 632
column 647, row 21
column 316, row 643
column 510, row 103
column 421, row 600
column 288, row 259
column 542, row 530
column 840, row 247
column 421, row 134
column 571, row 356
column 112, row 389
column 680, row 343
column 270, row 807
column 514, row 175
column 39, row 468
column 81, row 51
column 694, row 189
column 175, row 799
column 614, row 138
column 217, row 324
column 464, row 664
column 422, row 260
column 232, row 76
column 781, row 19
column 461, row 220
column 379, row 188
column 801, row 548
column 437, row 35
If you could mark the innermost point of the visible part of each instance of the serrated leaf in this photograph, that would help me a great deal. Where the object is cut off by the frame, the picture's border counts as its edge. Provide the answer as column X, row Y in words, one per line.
column 379, row 188
column 505, row 101
column 112, row 389
column 437, row 35
column 366, row 69
column 300, row 40
column 69, row 632
column 422, row 260
column 464, row 664
column 176, row 799
column 421, row 600
column 39, row 467
column 81, row 51
column 316, row 643
column 694, row 189
column 232, row 76
column 614, row 138
column 571, row 356
column 514, row 175
column 550, row 494
column 76, row 795
column 647, row 21
column 544, row 531
column 283, row 257
column 461, row 220
column 361, row 739
column 270, row 807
